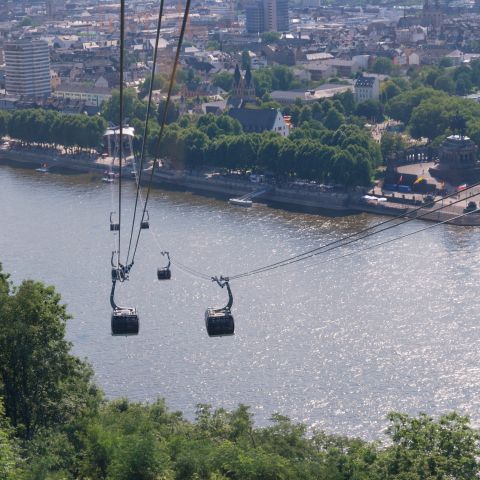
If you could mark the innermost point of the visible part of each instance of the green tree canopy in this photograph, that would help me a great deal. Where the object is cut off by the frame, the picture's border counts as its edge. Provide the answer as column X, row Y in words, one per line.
column 382, row 65
column 132, row 106
column 41, row 382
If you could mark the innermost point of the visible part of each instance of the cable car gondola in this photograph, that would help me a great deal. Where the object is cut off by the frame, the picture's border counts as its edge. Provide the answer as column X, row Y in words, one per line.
column 114, row 227
column 124, row 319
column 219, row 321
column 165, row 273
column 145, row 223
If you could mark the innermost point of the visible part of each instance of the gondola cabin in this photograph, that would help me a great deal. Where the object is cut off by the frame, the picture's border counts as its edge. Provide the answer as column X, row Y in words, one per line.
column 164, row 273
column 145, row 222
column 125, row 321
column 114, row 226
column 219, row 322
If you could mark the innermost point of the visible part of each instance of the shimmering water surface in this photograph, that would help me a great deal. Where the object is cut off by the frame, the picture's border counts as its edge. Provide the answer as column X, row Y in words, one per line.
column 337, row 346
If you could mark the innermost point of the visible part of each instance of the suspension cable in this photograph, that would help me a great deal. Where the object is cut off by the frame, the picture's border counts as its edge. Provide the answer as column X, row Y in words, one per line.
column 164, row 119
column 120, row 156
column 145, row 130
column 385, row 242
column 336, row 243
column 350, row 238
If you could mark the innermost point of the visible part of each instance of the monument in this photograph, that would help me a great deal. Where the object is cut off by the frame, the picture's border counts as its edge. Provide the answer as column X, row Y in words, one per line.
column 457, row 157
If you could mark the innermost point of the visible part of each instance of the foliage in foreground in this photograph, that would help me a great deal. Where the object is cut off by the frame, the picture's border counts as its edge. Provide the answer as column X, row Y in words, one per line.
column 57, row 426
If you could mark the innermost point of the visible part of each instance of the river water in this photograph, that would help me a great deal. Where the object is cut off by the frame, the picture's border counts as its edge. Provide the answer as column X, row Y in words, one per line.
column 336, row 346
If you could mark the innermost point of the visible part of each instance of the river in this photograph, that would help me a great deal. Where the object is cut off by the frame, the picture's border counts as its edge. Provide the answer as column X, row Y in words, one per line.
column 336, row 346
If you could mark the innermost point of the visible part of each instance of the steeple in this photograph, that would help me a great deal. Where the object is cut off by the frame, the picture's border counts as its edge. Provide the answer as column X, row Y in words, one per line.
column 236, row 76
column 248, row 76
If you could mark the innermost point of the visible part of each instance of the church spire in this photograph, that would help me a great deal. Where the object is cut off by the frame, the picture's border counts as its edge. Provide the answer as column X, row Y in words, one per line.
column 248, row 76
column 236, row 76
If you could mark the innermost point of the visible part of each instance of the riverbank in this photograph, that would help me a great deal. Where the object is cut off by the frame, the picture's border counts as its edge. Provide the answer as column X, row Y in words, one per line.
column 292, row 197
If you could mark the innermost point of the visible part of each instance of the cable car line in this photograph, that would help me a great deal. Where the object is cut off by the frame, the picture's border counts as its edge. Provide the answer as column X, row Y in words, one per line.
column 350, row 238
column 345, row 240
column 390, row 240
column 145, row 130
column 164, row 118
column 124, row 320
column 120, row 156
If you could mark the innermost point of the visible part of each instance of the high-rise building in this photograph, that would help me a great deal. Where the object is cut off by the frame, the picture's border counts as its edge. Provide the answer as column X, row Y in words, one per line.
column 267, row 15
column 28, row 68
column 255, row 17
column 55, row 8
column 283, row 20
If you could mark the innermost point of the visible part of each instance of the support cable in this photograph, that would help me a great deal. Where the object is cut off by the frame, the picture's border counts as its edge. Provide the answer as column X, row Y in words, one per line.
column 164, row 118
column 120, row 156
column 351, row 238
column 145, row 130
column 390, row 240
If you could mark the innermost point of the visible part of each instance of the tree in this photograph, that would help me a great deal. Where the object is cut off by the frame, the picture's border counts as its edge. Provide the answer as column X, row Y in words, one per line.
column 347, row 99
column 401, row 107
column 391, row 144
column 334, row 119
column 382, row 65
column 172, row 113
column 445, row 83
column 223, row 80
column 4, row 121
column 389, row 90
column 159, row 83
column 446, row 62
column 263, row 80
column 270, row 37
column 282, row 77
column 430, row 119
column 342, row 168
column 371, row 110
column 8, row 449
column 132, row 106
column 463, row 84
column 41, row 382
column 425, row 448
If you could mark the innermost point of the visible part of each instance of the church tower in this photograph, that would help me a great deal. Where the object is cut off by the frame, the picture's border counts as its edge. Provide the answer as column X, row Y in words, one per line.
column 243, row 88
column 432, row 15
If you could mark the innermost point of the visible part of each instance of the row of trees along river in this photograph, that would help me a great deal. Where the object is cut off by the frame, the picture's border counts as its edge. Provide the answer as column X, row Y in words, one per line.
column 322, row 148
column 56, row 424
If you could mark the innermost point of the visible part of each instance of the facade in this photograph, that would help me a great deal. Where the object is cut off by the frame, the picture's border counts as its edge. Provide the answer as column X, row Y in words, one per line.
column 283, row 20
column 324, row 91
column 93, row 96
column 55, row 8
column 257, row 120
column 367, row 88
column 267, row 15
column 432, row 15
column 28, row 68
column 255, row 17
column 243, row 89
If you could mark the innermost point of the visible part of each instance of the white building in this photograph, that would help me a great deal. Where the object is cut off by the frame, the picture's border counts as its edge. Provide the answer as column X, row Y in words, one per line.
column 28, row 68
column 260, row 120
column 93, row 96
column 367, row 88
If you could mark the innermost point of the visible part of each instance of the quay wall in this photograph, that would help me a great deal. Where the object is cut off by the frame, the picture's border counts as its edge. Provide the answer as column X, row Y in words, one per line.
column 290, row 199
